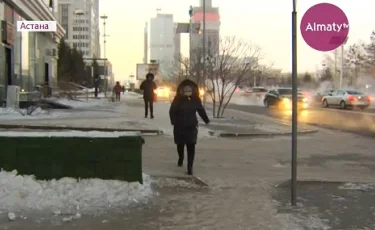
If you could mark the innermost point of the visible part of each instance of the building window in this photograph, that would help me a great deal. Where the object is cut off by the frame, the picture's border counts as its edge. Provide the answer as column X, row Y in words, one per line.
column 66, row 28
column 8, row 13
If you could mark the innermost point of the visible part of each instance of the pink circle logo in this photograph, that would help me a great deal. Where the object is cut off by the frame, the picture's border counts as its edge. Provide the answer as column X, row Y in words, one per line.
column 324, row 27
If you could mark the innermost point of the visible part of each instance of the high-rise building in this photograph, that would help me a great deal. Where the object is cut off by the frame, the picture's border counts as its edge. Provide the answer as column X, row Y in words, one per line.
column 145, row 45
column 212, row 28
column 177, row 42
column 162, row 36
column 80, row 19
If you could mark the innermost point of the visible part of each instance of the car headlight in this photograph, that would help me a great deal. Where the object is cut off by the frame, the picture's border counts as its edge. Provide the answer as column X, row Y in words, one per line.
column 305, row 100
column 286, row 100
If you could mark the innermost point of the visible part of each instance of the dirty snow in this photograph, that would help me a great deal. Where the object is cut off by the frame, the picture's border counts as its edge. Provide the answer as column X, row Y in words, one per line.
column 72, row 133
column 68, row 195
column 357, row 186
column 81, row 102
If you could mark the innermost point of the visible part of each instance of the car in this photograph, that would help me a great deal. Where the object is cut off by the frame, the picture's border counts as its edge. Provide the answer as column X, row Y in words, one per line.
column 163, row 92
column 258, row 93
column 345, row 98
column 319, row 96
column 282, row 99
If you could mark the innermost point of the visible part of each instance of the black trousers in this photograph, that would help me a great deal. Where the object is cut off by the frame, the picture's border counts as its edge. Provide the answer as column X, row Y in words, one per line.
column 117, row 96
column 149, row 104
column 190, row 154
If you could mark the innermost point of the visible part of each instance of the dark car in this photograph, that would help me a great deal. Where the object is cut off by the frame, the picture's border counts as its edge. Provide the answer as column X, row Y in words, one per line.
column 319, row 96
column 282, row 99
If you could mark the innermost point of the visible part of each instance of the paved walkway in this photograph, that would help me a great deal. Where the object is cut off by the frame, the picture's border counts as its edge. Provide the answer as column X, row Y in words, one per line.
column 242, row 175
column 128, row 114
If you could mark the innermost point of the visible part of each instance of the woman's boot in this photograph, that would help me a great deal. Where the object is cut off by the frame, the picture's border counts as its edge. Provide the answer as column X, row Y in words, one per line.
column 180, row 151
column 191, row 156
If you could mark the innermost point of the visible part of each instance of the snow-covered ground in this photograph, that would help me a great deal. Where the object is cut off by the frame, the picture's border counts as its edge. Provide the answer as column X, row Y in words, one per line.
column 99, row 113
column 68, row 195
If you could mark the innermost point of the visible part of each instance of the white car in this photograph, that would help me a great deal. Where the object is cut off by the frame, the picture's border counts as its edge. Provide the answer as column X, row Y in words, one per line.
column 346, row 99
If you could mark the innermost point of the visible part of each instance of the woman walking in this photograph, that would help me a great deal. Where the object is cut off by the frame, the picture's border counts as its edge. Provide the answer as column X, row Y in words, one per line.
column 183, row 115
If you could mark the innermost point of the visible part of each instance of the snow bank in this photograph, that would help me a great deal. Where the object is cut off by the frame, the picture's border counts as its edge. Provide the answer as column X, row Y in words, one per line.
column 82, row 103
column 131, row 95
column 72, row 133
column 355, row 186
column 11, row 114
column 69, row 195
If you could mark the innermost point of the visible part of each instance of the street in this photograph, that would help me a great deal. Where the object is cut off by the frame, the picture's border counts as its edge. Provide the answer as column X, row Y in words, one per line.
column 353, row 121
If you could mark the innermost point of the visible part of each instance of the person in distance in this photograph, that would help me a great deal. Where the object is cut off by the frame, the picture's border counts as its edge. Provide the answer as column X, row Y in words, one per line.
column 148, row 86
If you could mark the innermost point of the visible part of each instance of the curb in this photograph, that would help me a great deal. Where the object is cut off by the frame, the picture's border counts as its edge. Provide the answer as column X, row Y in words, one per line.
column 233, row 135
column 190, row 179
column 142, row 131
column 287, row 183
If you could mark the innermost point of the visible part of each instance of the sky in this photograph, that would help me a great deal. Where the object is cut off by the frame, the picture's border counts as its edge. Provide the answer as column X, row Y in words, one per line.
column 265, row 23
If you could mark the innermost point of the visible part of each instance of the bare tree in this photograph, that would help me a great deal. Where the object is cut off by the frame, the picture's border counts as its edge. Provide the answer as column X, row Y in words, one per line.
column 227, row 68
column 355, row 60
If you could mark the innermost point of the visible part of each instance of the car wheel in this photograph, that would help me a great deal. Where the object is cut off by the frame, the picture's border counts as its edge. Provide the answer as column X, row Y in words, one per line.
column 363, row 107
column 342, row 105
column 266, row 103
column 325, row 104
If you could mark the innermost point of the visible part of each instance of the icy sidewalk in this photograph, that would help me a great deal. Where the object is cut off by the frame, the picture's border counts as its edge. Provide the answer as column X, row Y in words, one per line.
column 128, row 114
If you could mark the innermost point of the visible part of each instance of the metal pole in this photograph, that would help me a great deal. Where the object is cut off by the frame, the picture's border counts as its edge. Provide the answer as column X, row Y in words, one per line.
column 204, row 52
column 104, row 17
column 294, row 106
column 335, row 74
column 342, row 65
column 190, row 38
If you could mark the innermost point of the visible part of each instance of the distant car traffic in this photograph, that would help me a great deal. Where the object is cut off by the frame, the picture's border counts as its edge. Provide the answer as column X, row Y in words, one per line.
column 319, row 96
column 282, row 99
column 346, row 99
column 258, row 92
column 163, row 93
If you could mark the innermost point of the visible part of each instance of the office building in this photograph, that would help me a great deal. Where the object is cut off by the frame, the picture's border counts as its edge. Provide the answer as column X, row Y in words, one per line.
column 80, row 19
column 162, row 38
column 27, row 59
column 212, row 28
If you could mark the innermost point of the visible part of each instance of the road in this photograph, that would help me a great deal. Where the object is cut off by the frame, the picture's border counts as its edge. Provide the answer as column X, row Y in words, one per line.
column 357, row 122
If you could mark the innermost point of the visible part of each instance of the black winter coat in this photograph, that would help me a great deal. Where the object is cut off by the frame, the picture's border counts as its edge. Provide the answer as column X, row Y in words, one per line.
column 183, row 115
column 148, row 87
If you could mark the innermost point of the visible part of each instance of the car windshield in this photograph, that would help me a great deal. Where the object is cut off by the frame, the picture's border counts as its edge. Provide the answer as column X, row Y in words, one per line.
column 354, row 92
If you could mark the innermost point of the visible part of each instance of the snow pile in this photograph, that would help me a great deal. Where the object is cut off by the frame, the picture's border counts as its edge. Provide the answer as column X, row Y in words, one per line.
column 72, row 133
column 82, row 103
column 300, row 222
column 68, row 195
column 11, row 113
column 355, row 186
column 173, row 182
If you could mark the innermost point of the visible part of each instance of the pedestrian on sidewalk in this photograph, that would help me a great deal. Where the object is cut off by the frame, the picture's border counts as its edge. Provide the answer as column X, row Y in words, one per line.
column 117, row 90
column 183, row 116
column 148, row 86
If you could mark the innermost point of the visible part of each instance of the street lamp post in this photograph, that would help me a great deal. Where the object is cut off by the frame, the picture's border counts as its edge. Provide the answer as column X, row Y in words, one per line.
column 191, row 12
column 342, row 62
column 104, row 17
column 294, row 106
column 204, row 51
